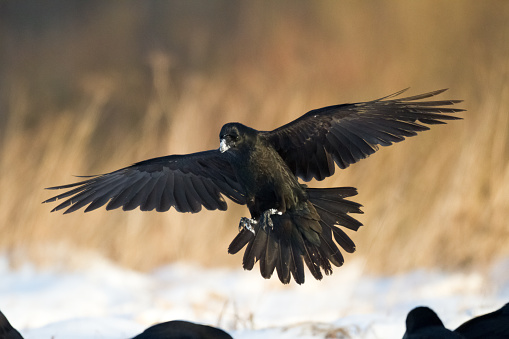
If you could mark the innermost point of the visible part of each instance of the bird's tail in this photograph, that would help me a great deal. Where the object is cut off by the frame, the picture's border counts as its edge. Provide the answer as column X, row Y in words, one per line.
column 305, row 236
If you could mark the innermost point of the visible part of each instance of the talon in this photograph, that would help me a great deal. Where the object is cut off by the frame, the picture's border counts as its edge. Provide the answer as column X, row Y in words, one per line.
column 247, row 223
column 266, row 220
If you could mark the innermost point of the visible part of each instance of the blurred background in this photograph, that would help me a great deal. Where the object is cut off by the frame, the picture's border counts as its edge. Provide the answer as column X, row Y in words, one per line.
column 87, row 87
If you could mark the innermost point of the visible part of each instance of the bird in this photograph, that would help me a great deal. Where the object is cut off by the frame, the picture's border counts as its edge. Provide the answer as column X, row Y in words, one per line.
column 423, row 323
column 494, row 325
column 179, row 329
column 290, row 224
column 6, row 329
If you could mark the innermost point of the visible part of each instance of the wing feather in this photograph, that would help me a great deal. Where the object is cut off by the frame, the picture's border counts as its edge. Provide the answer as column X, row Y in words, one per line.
column 350, row 132
column 186, row 182
column 151, row 199
column 103, row 197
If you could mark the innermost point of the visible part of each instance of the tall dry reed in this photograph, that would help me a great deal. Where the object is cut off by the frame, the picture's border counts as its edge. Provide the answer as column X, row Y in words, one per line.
column 439, row 199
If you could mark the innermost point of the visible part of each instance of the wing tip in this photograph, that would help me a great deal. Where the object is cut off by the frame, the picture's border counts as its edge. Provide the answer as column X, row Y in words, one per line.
column 395, row 94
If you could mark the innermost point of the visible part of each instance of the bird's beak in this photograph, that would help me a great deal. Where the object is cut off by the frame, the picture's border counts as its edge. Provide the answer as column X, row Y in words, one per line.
column 223, row 147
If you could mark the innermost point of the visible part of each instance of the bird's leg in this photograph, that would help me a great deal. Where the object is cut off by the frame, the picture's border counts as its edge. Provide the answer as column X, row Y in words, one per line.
column 247, row 223
column 266, row 220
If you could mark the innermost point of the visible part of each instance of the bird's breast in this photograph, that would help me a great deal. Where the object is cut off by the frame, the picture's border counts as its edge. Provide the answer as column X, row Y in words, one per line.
column 268, row 181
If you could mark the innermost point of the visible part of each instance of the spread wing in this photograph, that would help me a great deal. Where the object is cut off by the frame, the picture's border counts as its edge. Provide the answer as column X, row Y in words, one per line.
column 344, row 134
column 186, row 182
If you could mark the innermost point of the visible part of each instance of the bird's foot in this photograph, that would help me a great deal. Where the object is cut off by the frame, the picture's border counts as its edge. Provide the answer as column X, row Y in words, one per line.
column 266, row 220
column 247, row 223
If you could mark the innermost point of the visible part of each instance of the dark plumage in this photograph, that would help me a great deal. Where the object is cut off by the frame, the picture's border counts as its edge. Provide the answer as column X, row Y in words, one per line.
column 494, row 325
column 6, row 330
column 423, row 323
column 290, row 223
column 182, row 330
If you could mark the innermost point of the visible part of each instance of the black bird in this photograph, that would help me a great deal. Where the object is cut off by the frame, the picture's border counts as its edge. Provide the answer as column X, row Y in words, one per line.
column 6, row 329
column 178, row 329
column 423, row 323
column 494, row 325
column 290, row 223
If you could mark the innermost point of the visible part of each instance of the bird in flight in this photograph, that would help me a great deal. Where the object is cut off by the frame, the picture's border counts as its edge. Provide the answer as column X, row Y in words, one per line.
column 290, row 224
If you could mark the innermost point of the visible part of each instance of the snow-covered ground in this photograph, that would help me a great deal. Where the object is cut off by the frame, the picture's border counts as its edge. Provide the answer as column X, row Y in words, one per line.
column 102, row 300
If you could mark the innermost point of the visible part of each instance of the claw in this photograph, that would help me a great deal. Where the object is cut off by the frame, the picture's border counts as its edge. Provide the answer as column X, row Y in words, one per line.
column 247, row 223
column 266, row 220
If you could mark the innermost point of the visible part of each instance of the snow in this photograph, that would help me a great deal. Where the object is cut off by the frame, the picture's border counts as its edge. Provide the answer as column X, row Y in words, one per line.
column 102, row 300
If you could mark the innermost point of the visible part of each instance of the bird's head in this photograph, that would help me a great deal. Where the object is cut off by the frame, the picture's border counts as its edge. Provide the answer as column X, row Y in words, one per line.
column 421, row 317
column 235, row 136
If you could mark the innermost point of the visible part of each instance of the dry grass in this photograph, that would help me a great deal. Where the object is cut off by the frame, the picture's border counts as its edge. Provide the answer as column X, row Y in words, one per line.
column 92, row 99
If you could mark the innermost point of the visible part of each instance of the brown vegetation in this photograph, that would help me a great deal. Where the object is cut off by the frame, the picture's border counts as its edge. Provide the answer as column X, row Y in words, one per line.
column 89, row 87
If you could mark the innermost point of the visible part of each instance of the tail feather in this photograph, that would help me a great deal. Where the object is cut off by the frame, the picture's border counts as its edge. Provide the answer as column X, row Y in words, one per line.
column 342, row 219
column 338, row 206
column 240, row 241
column 308, row 253
column 297, row 247
column 302, row 237
column 330, row 250
column 284, row 262
column 342, row 238
column 254, row 250
column 269, row 260
column 331, row 193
